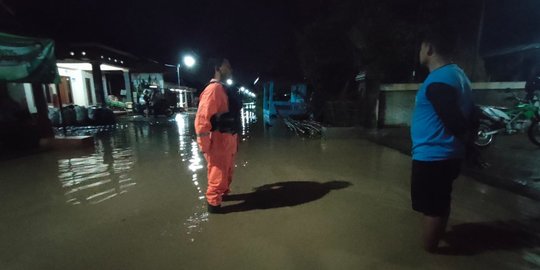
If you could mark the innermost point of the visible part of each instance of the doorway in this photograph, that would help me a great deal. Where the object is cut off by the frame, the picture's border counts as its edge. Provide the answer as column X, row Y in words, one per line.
column 65, row 90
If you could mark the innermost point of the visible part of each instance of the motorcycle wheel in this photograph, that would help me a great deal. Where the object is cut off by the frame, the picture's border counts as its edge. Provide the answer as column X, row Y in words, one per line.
column 534, row 132
column 483, row 140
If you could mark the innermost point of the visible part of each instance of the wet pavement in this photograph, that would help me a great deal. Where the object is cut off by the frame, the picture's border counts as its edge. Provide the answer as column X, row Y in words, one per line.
column 136, row 201
column 514, row 161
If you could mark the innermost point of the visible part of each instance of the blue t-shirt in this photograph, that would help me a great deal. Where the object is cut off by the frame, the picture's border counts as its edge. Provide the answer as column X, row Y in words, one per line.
column 431, row 140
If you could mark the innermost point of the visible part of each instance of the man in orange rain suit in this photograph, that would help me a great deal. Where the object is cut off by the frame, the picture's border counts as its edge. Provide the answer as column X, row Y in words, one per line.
column 216, row 125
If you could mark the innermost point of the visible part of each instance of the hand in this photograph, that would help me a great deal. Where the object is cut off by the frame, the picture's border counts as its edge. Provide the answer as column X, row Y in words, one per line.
column 204, row 144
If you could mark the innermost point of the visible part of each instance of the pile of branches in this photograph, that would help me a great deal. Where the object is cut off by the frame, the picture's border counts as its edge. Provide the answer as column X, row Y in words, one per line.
column 307, row 128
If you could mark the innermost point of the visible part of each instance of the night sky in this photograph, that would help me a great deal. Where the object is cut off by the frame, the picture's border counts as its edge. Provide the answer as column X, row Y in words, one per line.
column 258, row 36
column 510, row 23
column 251, row 33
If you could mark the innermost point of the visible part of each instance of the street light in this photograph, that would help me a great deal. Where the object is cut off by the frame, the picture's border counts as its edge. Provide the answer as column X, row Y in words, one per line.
column 189, row 62
column 230, row 82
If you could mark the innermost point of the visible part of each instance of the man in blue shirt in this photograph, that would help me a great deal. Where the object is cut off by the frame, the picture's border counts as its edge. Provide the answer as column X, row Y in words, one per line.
column 439, row 133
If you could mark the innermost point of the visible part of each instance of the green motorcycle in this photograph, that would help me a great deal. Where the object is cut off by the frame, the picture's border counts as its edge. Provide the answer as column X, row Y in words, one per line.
column 524, row 117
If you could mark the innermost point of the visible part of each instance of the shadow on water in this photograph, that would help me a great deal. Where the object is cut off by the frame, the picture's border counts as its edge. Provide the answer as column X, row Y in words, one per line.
column 477, row 238
column 283, row 194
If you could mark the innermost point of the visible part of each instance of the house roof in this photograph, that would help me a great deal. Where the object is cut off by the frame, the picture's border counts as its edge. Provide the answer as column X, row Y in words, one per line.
column 107, row 55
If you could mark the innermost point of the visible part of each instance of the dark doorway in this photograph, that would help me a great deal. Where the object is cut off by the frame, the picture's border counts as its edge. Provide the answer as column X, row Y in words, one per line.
column 115, row 83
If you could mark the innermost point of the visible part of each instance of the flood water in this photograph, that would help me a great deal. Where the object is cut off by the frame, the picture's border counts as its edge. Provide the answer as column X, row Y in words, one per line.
column 136, row 201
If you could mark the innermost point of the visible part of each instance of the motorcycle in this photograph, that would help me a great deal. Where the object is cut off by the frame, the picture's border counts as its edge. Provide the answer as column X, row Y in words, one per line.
column 524, row 117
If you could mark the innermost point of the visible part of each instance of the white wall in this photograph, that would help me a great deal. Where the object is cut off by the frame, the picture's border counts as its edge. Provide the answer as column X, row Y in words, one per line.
column 399, row 99
column 88, row 75
column 77, row 85
column 475, row 86
column 30, row 98
column 127, row 87
column 105, row 86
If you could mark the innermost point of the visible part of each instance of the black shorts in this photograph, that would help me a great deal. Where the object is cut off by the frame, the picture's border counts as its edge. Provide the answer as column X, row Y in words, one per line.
column 431, row 186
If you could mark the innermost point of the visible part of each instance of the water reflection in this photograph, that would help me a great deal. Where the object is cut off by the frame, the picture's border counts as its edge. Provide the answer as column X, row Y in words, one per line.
column 107, row 172
column 98, row 177
column 190, row 156
column 248, row 118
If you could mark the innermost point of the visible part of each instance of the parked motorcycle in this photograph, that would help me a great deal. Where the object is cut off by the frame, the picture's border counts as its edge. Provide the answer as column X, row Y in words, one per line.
column 524, row 117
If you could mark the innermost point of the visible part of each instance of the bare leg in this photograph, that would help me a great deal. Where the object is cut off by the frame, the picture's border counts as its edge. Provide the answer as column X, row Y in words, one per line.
column 434, row 228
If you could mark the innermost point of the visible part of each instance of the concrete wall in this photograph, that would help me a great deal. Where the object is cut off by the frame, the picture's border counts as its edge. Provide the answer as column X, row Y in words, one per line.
column 22, row 93
column 88, row 75
column 397, row 100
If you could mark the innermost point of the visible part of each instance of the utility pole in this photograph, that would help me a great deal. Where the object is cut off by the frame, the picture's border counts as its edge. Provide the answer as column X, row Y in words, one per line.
column 479, row 37
column 7, row 8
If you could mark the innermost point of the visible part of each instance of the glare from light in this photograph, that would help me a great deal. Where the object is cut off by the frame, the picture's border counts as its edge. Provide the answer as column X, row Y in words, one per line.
column 242, row 88
column 189, row 61
column 181, row 123
column 230, row 82
column 256, row 80
column 88, row 67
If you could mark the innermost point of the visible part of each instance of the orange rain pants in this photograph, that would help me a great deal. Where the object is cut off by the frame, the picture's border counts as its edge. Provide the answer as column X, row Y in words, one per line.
column 219, row 148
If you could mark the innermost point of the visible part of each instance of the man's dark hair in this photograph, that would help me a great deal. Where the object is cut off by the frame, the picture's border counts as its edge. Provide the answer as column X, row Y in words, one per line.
column 443, row 39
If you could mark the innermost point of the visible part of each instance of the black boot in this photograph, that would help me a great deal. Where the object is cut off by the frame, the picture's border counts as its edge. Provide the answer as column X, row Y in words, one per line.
column 214, row 209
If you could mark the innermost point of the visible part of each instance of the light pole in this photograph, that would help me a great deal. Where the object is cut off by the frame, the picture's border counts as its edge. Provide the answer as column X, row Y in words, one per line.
column 189, row 62
column 178, row 73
